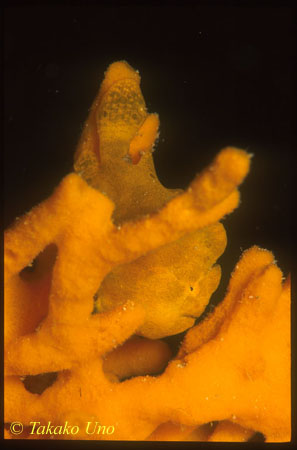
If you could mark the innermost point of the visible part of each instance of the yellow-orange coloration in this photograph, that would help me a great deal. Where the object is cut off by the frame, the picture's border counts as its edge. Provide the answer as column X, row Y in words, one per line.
column 144, row 139
column 224, row 431
column 251, row 388
column 115, row 151
column 137, row 356
column 227, row 431
column 171, row 432
column 115, row 254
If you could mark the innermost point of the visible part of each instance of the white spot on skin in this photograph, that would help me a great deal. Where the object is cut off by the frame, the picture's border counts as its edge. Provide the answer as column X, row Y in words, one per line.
column 181, row 364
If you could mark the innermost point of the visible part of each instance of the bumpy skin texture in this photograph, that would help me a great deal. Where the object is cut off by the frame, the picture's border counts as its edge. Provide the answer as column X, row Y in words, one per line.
column 179, row 276
column 244, row 374
column 77, row 218
column 115, row 152
column 113, row 233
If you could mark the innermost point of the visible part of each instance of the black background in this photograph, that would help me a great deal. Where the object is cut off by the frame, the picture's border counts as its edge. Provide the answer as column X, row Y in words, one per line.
column 217, row 76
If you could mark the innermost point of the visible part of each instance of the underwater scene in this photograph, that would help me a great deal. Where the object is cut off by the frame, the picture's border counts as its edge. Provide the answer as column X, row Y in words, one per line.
column 147, row 268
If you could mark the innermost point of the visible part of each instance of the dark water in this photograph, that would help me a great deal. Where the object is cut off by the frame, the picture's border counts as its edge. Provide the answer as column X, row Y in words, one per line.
column 216, row 76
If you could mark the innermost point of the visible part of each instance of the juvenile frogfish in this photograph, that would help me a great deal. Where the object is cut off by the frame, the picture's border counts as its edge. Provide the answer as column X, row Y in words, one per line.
column 114, row 155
